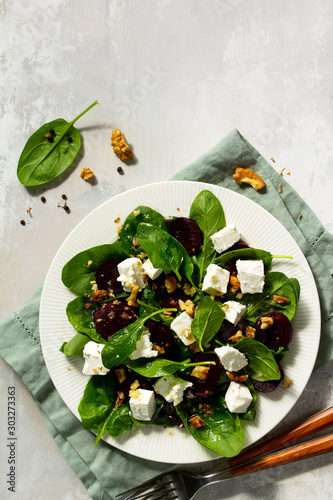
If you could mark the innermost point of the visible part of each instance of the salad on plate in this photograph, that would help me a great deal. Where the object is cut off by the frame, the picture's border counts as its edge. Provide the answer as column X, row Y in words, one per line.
column 180, row 323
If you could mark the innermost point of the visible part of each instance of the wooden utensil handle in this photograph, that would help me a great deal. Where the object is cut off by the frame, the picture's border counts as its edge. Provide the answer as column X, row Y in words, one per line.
column 313, row 424
column 305, row 450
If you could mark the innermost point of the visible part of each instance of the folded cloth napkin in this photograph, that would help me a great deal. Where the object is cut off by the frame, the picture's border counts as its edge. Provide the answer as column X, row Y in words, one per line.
column 104, row 470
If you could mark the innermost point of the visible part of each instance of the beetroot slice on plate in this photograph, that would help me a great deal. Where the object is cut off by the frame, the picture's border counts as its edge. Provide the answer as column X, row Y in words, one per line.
column 113, row 316
column 161, row 336
column 228, row 330
column 128, row 377
column 170, row 412
column 203, row 388
column 187, row 232
column 269, row 385
column 278, row 335
column 171, row 299
column 106, row 276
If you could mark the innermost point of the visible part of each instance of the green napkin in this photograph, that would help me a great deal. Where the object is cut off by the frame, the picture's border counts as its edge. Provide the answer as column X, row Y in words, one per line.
column 104, row 470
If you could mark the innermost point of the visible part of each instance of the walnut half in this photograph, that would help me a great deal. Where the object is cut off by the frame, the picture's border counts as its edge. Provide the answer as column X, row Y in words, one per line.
column 120, row 147
column 247, row 176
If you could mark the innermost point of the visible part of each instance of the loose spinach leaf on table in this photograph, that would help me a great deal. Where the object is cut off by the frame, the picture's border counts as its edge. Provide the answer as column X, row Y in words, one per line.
column 259, row 304
column 262, row 365
column 208, row 213
column 82, row 319
column 79, row 272
column 129, row 228
column 75, row 346
column 222, row 431
column 43, row 159
column 207, row 320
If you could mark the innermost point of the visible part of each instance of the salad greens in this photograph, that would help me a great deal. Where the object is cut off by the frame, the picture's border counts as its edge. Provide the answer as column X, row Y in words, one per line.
column 104, row 406
column 50, row 151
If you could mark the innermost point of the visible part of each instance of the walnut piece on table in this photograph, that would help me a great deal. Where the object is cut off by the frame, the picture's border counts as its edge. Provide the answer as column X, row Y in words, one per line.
column 247, row 176
column 120, row 147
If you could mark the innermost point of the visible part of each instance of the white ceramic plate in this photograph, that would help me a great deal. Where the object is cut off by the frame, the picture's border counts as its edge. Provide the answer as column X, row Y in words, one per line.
column 261, row 230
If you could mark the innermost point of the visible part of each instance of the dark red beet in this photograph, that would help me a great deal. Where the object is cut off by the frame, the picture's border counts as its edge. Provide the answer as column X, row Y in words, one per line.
column 107, row 274
column 203, row 388
column 169, row 410
column 132, row 376
column 113, row 316
column 171, row 299
column 227, row 330
column 269, row 385
column 187, row 232
column 161, row 335
column 278, row 335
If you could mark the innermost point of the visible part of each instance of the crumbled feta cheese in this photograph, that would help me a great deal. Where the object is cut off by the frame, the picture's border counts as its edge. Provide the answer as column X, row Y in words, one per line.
column 142, row 404
column 144, row 348
column 93, row 364
column 251, row 275
column 233, row 311
column 130, row 273
column 172, row 388
column 225, row 238
column 238, row 398
column 216, row 280
column 232, row 359
column 181, row 325
column 152, row 271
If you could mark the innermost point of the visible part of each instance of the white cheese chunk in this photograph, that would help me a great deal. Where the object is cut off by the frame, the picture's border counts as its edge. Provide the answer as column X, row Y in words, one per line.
column 251, row 275
column 225, row 238
column 152, row 271
column 142, row 404
column 93, row 364
column 216, row 280
column 172, row 388
column 181, row 325
column 238, row 398
column 233, row 311
column 144, row 348
column 232, row 359
column 131, row 273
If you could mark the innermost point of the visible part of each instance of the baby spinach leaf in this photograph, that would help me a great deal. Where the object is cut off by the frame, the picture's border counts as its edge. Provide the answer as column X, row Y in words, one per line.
column 42, row 160
column 129, row 229
column 207, row 320
column 162, row 249
column 222, row 431
column 82, row 319
column 259, row 304
column 262, row 365
column 79, row 272
column 75, row 346
column 123, row 343
column 208, row 213
column 297, row 287
column 160, row 367
column 245, row 254
column 119, row 420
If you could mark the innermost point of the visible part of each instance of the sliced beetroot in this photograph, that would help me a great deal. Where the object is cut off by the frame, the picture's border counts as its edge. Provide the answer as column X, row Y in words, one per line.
column 171, row 299
column 107, row 274
column 130, row 377
column 170, row 412
column 278, row 335
column 228, row 330
column 113, row 316
column 269, row 385
column 161, row 336
column 187, row 232
column 203, row 388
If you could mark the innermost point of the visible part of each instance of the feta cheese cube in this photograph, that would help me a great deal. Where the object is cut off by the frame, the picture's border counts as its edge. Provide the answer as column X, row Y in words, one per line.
column 232, row 359
column 93, row 364
column 142, row 403
column 233, row 311
column 172, row 388
column 238, row 398
column 152, row 271
column 251, row 275
column 131, row 273
column 181, row 325
column 216, row 280
column 144, row 348
column 225, row 238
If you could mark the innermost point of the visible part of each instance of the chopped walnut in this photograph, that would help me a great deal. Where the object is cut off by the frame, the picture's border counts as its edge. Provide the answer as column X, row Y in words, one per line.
column 238, row 335
column 87, row 305
column 187, row 306
column 278, row 299
column 194, row 348
column 136, row 212
column 121, row 375
column 196, row 422
column 239, row 295
column 170, row 284
column 99, row 295
column 189, row 290
column 159, row 349
column 200, row 372
column 134, row 394
column 236, row 377
column 86, row 174
column 120, row 147
column 287, row 382
column 117, row 220
column 266, row 322
column 234, row 284
column 247, row 176
column 135, row 243
column 131, row 300
column 280, row 189
column 135, row 385
column 120, row 399
column 118, row 229
column 250, row 332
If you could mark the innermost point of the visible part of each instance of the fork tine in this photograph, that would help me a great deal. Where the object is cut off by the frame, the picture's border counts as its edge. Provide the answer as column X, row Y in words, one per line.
column 142, row 492
column 143, row 487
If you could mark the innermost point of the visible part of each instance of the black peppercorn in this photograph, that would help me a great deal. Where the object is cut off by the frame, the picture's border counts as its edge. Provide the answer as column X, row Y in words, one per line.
column 22, row 222
column 120, row 170
column 69, row 139
column 43, row 199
